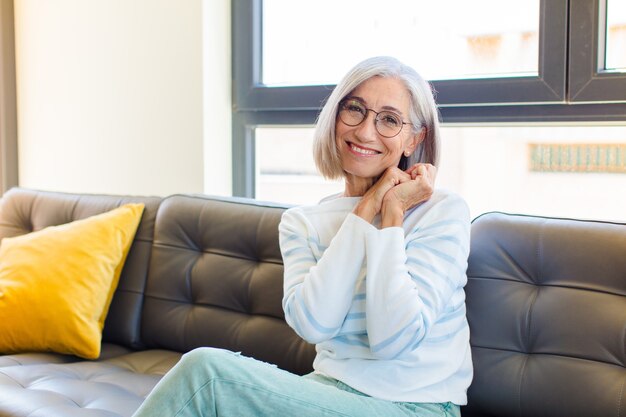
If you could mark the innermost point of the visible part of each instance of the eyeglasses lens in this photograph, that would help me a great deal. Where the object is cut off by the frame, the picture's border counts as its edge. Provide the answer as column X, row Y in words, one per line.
column 353, row 113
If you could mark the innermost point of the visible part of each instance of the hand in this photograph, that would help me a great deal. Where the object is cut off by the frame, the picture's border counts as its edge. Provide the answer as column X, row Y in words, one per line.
column 371, row 203
column 418, row 190
column 408, row 194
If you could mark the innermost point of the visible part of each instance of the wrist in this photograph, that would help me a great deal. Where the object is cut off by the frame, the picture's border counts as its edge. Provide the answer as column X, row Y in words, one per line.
column 365, row 210
column 392, row 213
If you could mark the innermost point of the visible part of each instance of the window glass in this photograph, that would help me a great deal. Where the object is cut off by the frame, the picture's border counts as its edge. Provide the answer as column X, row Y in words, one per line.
column 285, row 170
column 479, row 38
column 616, row 35
column 559, row 170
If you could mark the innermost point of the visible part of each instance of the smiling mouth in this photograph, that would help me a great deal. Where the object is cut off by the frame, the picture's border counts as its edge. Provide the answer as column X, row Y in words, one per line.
column 362, row 151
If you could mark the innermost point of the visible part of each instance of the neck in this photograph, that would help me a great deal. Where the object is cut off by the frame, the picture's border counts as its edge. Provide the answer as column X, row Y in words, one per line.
column 357, row 186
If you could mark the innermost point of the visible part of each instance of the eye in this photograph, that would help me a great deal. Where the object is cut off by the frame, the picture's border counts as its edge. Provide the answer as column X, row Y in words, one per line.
column 389, row 119
column 354, row 106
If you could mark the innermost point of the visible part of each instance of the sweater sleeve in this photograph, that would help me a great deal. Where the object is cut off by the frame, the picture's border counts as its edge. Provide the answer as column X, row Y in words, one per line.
column 411, row 281
column 319, row 282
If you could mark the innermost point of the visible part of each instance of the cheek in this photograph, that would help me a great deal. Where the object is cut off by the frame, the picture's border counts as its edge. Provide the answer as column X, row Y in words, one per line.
column 395, row 147
column 340, row 128
column 340, row 132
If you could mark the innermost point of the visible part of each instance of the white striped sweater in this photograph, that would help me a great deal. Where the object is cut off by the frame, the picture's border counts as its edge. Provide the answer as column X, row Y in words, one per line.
column 385, row 307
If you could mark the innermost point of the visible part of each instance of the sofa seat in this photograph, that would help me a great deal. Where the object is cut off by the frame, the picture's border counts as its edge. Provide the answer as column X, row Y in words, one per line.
column 107, row 351
column 104, row 388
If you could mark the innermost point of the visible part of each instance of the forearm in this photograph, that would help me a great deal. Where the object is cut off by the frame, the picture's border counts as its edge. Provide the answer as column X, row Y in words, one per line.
column 395, row 311
column 318, row 290
column 391, row 213
column 411, row 280
column 366, row 210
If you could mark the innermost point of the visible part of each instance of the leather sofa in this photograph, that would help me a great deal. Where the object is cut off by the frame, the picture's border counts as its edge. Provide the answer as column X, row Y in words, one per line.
column 546, row 302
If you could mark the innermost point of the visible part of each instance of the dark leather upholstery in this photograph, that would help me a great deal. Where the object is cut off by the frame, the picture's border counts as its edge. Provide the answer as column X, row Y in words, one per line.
column 546, row 302
column 547, row 311
column 103, row 388
column 107, row 351
column 216, row 280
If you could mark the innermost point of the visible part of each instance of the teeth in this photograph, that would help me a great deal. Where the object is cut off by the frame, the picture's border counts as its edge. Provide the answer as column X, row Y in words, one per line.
column 361, row 150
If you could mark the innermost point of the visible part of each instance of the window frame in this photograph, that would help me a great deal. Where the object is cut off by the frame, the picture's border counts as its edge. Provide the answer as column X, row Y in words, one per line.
column 566, row 89
column 588, row 80
column 547, row 87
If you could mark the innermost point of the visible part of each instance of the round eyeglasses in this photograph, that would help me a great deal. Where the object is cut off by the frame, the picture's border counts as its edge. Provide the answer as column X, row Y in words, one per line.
column 388, row 124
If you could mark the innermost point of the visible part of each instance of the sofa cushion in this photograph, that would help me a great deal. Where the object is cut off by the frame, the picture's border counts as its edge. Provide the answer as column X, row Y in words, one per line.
column 107, row 351
column 546, row 304
column 56, row 284
column 215, row 280
column 24, row 211
column 107, row 388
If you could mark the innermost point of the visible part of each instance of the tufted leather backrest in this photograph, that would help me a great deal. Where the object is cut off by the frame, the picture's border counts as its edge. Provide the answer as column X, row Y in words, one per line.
column 215, row 279
column 24, row 211
column 546, row 303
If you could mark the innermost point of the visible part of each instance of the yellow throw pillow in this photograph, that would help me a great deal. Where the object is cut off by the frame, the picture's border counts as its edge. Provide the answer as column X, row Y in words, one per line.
column 56, row 284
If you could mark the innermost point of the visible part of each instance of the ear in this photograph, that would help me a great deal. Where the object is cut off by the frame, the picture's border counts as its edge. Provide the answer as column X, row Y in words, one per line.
column 414, row 141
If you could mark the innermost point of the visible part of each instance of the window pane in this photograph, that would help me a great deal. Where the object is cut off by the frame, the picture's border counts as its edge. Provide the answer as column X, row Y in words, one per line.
column 285, row 169
column 563, row 171
column 442, row 39
column 616, row 35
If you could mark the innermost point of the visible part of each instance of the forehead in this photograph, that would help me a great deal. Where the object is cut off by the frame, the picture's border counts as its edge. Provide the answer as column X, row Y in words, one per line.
column 384, row 92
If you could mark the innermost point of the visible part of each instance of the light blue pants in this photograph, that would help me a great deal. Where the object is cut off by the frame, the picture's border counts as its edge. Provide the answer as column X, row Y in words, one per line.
column 215, row 382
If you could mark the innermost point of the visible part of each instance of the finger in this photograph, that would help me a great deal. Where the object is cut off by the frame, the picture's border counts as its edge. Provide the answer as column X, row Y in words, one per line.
column 420, row 171
column 432, row 172
column 412, row 171
column 390, row 178
column 404, row 175
column 396, row 176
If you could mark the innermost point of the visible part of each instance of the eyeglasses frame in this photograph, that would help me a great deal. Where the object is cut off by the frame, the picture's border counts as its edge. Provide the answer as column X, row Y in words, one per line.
column 376, row 119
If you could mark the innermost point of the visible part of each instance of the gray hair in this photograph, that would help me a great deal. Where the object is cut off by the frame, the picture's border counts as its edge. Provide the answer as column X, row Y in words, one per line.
column 422, row 114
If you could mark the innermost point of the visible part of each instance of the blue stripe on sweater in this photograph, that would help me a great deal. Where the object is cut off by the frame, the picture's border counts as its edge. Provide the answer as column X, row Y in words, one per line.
column 351, row 342
column 436, row 252
column 358, row 297
column 291, row 237
column 380, row 346
column 310, row 240
column 453, row 314
column 298, row 249
column 439, row 224
column 447, row 336
column 447, row 238
column 432, row 269
column 355, row 316
column 315, row 323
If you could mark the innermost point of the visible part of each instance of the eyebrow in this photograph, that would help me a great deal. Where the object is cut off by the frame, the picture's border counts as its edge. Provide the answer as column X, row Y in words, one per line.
column 385, row 108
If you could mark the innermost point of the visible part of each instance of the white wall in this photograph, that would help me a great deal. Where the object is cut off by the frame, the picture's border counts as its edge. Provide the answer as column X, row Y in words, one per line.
column 110, row 95
column 217, row 98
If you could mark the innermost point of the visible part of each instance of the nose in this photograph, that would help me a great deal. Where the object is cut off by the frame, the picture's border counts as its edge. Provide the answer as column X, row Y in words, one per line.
column 366, row 130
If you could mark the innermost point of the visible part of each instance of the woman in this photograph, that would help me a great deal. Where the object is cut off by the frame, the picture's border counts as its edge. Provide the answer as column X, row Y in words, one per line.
column 374, row 277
